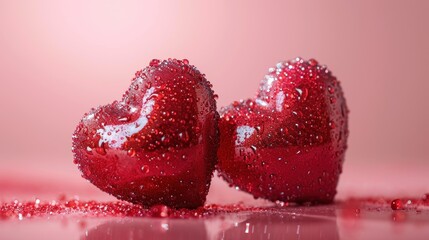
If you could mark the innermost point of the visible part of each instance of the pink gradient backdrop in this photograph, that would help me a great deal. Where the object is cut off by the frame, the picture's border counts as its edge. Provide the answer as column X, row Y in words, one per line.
column 59, row 59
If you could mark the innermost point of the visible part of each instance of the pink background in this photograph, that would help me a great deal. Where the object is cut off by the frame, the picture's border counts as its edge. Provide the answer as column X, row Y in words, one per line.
column 59, row 59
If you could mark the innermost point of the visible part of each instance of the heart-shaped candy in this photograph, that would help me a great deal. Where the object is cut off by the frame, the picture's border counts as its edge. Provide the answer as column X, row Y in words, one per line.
column 158, row 144
column 288, row 143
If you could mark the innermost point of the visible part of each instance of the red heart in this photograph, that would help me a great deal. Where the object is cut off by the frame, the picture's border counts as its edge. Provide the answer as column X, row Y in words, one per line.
column 288, row 143
column 158, row 144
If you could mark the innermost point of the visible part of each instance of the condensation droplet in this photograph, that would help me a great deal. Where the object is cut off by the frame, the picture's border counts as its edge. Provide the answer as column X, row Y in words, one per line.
column 145, row 168
column 253, row 147
column 131, row 152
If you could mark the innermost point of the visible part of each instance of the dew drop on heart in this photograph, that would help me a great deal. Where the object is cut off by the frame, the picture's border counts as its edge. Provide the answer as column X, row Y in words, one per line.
column 184, row 136
column 145, row 168
column 253, row 149
column 100, row 150
column 165, row 139
column 154, row 62
column 131, row 152
column 313, row 62
column 89, row 149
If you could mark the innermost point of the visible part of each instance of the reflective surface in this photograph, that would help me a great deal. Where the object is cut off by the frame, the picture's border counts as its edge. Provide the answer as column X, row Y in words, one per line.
column 340, row 221
column 358, row 218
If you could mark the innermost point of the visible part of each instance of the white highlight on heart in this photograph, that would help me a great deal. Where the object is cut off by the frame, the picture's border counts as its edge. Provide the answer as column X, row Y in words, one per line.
column 116, row 135
column 280, row 98
column 243, row 132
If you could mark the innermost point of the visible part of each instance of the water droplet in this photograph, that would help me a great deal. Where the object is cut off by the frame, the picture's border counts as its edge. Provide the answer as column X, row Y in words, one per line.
column 88, row 149
column 165, row 139
column 145, row 168
column 184, row 136
column 313, row 62
column 303, row 93
column 253, row 147
column 154, row 62
column 131, row 152
column 101, row 150
column 397, row 204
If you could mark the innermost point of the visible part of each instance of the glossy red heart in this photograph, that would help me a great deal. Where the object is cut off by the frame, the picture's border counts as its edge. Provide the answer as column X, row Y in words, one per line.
column 288, row 143
column 158, row 144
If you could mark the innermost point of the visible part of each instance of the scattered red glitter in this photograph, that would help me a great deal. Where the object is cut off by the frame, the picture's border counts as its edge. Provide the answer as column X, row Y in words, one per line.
column 288, row 143
column 397, row 204
column 28, row 209
column 426, row 198
column 351, row 208
column 415, row 204
column 158, row 144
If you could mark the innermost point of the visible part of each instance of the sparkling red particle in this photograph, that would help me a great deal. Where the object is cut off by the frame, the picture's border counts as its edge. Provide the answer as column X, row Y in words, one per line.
column 397, row 204
column 28, row 209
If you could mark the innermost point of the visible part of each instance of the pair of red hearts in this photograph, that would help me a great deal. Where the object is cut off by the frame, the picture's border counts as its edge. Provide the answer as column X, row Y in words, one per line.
column 161, row 143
